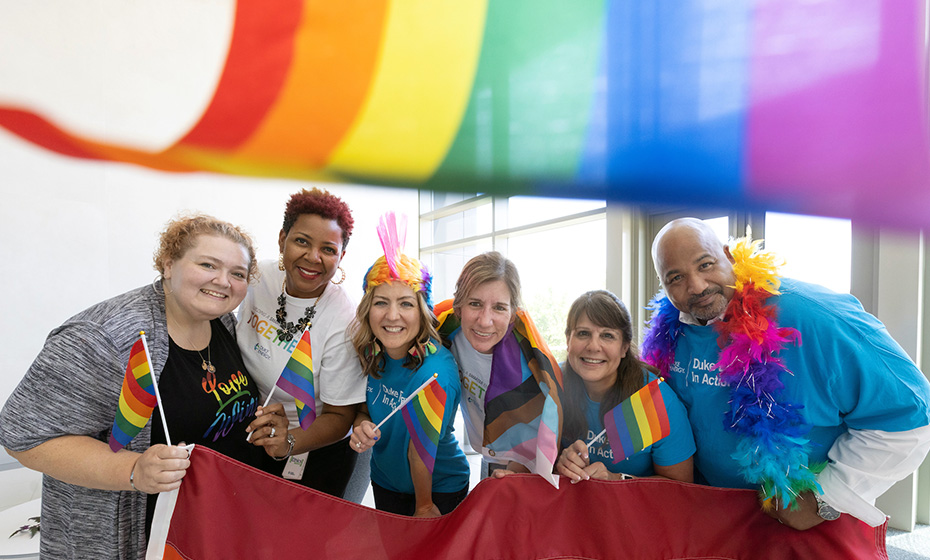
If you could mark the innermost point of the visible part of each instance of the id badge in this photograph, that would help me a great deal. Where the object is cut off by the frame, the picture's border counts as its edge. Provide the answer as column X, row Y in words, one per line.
column 294, row 468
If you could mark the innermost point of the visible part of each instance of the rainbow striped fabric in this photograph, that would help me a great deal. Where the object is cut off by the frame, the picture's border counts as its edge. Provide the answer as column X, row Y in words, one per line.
column 136, row 398
column 297, row 380
column 523, row 410
column 423, row 416
column 801, row 106
column 637, row 422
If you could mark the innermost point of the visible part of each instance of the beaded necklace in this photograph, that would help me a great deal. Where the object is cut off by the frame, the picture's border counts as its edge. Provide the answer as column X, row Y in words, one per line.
column 773, row 448
column 289, row 329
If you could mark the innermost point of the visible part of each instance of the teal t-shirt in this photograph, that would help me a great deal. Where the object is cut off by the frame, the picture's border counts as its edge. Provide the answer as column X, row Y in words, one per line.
column 390, row 467
column 848, row 373
column 670, row 450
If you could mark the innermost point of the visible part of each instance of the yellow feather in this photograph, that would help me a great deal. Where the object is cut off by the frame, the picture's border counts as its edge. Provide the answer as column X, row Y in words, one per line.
column 752, row 264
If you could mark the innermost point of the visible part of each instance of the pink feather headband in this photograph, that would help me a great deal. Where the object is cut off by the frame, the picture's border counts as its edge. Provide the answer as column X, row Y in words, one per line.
column 395, row 265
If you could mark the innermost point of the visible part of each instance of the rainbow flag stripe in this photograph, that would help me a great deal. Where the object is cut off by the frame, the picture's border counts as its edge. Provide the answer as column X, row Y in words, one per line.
column 297, row 380
column 423, row 416
column 637, row 422
column 802, row 106
column 136, row 399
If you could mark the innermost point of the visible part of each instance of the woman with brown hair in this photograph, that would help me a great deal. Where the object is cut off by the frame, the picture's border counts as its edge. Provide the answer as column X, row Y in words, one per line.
column 602, row 370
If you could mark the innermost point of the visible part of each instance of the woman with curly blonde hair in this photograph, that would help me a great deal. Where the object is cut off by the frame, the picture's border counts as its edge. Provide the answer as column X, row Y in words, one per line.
column 97, row 503
column 399, row 350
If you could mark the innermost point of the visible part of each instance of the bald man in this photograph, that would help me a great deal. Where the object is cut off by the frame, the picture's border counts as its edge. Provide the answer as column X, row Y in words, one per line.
column 867, row 404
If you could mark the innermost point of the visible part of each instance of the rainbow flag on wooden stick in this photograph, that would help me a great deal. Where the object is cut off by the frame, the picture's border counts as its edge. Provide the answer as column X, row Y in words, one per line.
column 297, row 380
column 423, row 416
column 637, row 422
column 137, row 398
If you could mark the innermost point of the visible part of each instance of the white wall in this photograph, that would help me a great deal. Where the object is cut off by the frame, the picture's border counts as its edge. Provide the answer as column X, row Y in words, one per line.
column 73, row 233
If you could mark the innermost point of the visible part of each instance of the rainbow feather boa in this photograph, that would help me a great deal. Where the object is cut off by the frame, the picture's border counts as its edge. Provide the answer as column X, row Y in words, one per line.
column 773, row 449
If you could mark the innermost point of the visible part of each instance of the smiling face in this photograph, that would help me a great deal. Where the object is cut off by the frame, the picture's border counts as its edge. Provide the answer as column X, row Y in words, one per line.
column 594, row 353
column 312, row 251
column 394, row 317
column 695, row 269
column 486, row 313
column 209, row 280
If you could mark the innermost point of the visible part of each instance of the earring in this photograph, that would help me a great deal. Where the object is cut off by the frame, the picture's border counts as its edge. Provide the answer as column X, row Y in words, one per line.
column 373, row 349
column 341, row 280
column 281, row 261
column 163, row 287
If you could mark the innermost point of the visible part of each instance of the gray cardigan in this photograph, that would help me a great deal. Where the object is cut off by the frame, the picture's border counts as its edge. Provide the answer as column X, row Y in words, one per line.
column 72, row 388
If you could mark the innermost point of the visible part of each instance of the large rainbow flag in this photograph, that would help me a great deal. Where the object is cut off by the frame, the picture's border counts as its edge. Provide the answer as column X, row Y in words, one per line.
column 136, row 398
column 637, row 422
column 423, row 416
column 297, row 380
column 791, row 105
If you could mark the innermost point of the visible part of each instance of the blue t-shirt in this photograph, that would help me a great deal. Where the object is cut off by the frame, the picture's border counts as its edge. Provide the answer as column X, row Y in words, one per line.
column 390, row 467
column 848, row 373
column 670, row 450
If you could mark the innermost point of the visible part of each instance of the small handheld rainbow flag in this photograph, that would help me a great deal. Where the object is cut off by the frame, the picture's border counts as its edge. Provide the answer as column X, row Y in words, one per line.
column 637, row 422
column 297, row 380
column 137, row 398
column 423, row 417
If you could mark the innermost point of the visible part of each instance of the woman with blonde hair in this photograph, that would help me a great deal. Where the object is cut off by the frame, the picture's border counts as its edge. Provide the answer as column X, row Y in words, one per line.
column 509, row 378
column 97, row 503
column 416, row 469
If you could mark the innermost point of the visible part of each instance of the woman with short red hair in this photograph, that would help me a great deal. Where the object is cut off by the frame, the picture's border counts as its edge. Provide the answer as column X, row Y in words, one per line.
column 303, row 291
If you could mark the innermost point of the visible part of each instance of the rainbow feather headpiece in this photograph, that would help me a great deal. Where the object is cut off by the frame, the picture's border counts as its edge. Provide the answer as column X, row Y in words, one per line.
column 395, row 265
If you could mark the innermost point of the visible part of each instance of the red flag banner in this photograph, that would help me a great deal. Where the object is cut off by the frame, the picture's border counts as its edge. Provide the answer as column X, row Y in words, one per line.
column 520, row 516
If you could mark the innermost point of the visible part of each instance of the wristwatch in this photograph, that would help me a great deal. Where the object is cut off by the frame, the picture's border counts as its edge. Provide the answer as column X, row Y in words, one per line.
column 290, row 447
column 825, row 510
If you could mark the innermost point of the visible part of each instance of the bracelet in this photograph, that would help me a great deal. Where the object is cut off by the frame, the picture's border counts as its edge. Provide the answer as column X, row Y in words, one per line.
column 290, row 447
column 132, row 475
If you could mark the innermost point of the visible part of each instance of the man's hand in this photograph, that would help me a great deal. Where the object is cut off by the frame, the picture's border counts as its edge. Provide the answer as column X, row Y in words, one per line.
column 801, row 519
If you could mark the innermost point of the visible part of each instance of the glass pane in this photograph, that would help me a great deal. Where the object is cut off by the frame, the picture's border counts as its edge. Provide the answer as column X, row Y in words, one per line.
column 524, row 210
column 446, row 266
column 472, row 222
column 557, row 266
column 791, row 236
column 434, row 200
column 721, row 227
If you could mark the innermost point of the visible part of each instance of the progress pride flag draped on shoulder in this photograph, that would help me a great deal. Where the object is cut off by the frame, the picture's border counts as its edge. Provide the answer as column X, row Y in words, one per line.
column 520, row 516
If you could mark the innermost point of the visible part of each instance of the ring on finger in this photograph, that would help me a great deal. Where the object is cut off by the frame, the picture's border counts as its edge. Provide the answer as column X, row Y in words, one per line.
column 358, row 444
column 272, row 432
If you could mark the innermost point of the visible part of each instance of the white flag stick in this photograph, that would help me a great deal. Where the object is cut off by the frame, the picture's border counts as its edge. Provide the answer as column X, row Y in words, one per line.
column 267, row 400
column 597, row 437
column 404, row 402
column 271, row 392
column 161, row 408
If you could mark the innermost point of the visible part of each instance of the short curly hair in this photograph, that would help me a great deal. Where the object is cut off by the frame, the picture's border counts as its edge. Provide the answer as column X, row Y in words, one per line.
column 322, row 203
column 181, row 233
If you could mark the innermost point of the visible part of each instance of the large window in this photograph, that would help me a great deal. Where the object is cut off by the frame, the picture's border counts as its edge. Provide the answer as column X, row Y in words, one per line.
column 816, row 250
column 558, row 245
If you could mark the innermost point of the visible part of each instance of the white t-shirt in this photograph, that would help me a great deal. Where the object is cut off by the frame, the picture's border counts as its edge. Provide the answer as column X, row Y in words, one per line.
column 337, row 373
column 475, row 372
